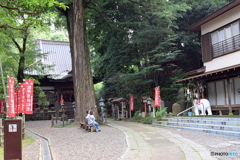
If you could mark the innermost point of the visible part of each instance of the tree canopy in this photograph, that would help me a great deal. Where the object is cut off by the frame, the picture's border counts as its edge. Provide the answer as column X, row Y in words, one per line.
column 19, row 20
column 138, row 45
column 133, row 45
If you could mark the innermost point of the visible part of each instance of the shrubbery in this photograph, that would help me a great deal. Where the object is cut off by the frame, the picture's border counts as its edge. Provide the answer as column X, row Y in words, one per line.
column 159, row 114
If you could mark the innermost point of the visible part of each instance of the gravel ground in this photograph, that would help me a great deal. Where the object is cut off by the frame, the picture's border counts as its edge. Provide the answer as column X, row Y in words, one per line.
column 75, row 143
column 110, row 144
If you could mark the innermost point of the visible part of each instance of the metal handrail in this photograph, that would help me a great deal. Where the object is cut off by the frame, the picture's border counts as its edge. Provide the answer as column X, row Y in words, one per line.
column 187, row 110
column 183, row 112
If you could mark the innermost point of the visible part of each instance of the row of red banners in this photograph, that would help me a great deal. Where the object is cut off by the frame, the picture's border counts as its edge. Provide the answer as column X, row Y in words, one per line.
column 156, row 95
column 20, row 99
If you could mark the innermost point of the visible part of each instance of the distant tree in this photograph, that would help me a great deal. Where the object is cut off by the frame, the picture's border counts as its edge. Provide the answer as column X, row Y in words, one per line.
column 133, row 48
column 189, row 41
column 19, row 18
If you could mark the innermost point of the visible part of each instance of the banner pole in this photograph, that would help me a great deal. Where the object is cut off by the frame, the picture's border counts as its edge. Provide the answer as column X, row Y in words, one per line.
column 154, row 111
column 4, row 87
column 23, row 126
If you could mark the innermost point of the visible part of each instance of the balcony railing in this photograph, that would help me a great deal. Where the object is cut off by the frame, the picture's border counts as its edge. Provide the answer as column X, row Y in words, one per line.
column 226, row 46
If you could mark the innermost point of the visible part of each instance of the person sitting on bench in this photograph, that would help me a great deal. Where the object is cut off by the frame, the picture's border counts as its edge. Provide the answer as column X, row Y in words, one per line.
column 91, row 121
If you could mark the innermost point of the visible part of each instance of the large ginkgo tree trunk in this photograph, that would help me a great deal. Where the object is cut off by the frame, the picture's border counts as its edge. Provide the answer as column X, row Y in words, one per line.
column 81, row 68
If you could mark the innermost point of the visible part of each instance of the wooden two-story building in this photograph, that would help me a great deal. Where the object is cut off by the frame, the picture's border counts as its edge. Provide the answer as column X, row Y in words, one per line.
column 220, row 42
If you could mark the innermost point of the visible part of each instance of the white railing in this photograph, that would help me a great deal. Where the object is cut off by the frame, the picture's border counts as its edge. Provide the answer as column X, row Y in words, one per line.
column 189, row 109
column 183, row 112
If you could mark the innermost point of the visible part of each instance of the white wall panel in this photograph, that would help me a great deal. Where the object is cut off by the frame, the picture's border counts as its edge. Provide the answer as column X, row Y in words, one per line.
column 236, row 87
column 211, row 93
column 231, row 92
column 220, row 93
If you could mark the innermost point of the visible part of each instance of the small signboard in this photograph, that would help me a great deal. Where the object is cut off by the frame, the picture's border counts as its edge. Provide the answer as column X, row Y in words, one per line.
column 13, row 139
column 12, row 127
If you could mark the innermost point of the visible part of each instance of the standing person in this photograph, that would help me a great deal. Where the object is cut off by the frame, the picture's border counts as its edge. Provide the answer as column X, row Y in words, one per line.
column 91, row 121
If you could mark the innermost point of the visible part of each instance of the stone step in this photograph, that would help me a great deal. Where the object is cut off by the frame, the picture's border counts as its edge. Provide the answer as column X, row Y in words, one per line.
column 206, row 121
column 205, row 118
column 221, row 132
column 218, row 125
column 205, row 126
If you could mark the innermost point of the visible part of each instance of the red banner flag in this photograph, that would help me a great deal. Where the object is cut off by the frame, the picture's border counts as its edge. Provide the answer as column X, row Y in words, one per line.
column 61, row 100
column 16, row 94
column 11, row 109
column 21, row 98
column 1, row 106
column 131, row 102
column 29, row 96
column 157, row 97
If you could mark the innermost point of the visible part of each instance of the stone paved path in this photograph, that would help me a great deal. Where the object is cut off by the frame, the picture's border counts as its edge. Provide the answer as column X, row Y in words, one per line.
column 123, row 140
column 153, row 143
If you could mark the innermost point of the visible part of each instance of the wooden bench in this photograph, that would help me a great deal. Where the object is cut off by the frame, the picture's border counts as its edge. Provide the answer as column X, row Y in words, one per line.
column 220, row 109
column 83, row 125
column 89, row 128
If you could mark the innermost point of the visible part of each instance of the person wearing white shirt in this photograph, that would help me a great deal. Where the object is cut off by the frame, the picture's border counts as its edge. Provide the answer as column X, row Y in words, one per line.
column 91, row 121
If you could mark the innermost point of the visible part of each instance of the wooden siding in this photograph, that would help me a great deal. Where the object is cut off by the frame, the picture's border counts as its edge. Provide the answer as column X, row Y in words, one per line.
column 206, row 47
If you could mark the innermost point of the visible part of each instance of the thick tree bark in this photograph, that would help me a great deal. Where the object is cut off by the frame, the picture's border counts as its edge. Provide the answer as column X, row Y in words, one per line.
column 81, row 68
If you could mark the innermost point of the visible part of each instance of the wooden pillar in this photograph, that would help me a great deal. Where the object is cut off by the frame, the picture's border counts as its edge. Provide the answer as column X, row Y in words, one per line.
column 118, row 112
column 1, row 133
column 145, row 109
column 130, row 113
column 57, row 104
column 122, row 110
column 229, row 95
column 154, row 111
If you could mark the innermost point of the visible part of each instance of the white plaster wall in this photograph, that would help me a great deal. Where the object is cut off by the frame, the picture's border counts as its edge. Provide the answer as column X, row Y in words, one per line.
column 221, row 20
column 223, row 61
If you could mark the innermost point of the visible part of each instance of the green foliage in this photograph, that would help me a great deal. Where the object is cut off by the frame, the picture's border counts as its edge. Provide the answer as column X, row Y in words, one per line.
column 135, row 46
column 137, row 119
column 19, row 19
column 148, row 120
column 189, row 41
column 135, row 49
column 161, row 113
column 97, row 88
column 136, row 114
column 42, row 98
